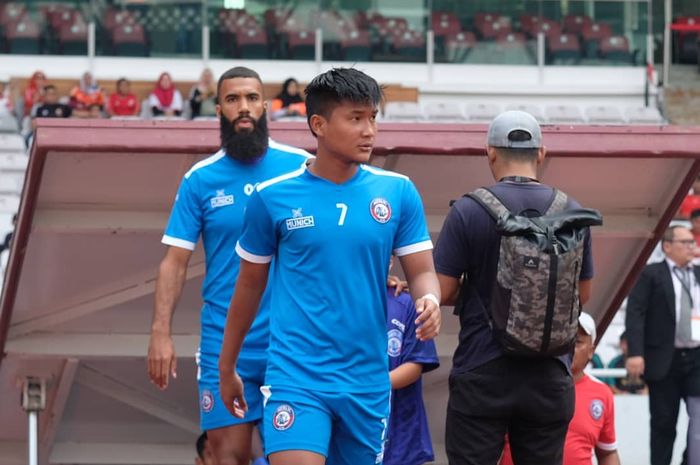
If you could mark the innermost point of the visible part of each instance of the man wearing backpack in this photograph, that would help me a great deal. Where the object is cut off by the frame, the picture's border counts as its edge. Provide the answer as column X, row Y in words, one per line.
column 504, row 380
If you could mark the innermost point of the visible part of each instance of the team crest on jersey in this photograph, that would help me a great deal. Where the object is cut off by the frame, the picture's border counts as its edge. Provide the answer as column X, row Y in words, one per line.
column 283, row 418
column 298, row 220
column 380, row 210
column 596, row 409
column 395, row 338
column 207, row 401
column 221, row 199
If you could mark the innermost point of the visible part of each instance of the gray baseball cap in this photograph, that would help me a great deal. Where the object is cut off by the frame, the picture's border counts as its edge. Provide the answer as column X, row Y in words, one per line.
column 502, row 131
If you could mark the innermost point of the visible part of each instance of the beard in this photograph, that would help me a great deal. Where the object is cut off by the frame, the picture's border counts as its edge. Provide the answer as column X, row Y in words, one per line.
column 244, row 146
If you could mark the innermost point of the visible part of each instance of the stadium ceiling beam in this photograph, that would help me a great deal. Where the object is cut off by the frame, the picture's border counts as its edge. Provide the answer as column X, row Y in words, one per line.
column 95, row 301
column 71, row 219
column 122, row 454
column 151, row 405
column 94, row 346
column 56, row 408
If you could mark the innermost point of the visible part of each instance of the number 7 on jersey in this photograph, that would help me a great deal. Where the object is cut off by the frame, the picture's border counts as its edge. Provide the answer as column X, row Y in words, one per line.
column 343, row 212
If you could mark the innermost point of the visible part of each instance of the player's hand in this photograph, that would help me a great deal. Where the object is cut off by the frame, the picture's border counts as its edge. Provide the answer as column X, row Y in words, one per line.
column 635, row 367
column 429, row 319
column 161, row 360
column 231, row 388
column 398, row 285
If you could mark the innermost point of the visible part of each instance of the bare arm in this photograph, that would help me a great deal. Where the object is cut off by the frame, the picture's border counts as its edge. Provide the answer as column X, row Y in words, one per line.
column 449, row 287
column 584, row 290
column 405, row 374
column 250, row 285
column 607, row 457
column 422, row 280
column 171, row 279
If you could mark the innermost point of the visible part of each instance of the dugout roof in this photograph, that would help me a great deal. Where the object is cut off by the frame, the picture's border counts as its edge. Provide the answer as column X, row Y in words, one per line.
column 77, row 297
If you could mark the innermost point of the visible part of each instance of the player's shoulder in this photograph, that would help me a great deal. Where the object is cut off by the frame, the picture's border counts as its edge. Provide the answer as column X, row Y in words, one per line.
column 277, row 148
column 203, row 166
column 282, row 180
column 384, row 175
column 599, row 387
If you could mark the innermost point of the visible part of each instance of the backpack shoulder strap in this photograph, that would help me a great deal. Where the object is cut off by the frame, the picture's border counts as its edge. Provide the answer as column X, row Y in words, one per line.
column 558, row 204
column 489, row 202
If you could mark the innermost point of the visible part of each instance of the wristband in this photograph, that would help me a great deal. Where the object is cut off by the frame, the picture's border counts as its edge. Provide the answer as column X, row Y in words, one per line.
column 433, row 298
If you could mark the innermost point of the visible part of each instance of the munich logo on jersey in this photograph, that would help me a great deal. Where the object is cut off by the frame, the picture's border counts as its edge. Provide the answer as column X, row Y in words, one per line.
column 380, row 210
column 298, row 220
column 283, row 418
column 596, row 409
column 207, row 401
column 395, row 338
column 221, row 199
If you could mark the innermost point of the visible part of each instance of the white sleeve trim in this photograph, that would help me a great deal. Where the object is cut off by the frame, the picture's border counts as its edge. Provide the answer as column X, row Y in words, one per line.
column 604, row 446
column 245, row 255
column 174, row 241
column 413, row 248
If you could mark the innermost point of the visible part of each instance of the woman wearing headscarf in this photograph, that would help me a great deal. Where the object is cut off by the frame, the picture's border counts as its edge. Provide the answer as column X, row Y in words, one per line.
column 203, row 95
column 165, row 100
column 34, row 92
column 85, row 95
column 289, row 101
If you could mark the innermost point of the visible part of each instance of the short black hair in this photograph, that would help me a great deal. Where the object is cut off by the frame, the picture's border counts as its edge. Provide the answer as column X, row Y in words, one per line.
column 328, row 90
column 120, row 80
column 518, row 155
column 695, row 213
column 236, row 72
column 201, row 444
column 670, row 233
column 48, row 87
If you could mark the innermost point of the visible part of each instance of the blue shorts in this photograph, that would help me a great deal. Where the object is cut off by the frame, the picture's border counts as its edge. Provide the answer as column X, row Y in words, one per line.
column 346, row 428
column 212, row 412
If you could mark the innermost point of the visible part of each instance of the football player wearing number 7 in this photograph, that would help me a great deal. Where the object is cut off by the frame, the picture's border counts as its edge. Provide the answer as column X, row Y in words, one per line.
column 332, row 227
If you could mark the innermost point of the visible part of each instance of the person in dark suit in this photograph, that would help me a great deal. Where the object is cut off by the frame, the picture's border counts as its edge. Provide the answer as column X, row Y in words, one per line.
column 664, row 343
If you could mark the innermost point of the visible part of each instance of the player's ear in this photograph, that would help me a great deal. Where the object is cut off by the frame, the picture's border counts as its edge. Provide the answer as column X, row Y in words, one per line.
column 218, row 110
column 317, row 123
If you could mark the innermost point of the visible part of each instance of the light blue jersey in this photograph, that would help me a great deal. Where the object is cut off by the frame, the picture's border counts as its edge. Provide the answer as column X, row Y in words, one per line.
column 211, row 202
column 331, row 245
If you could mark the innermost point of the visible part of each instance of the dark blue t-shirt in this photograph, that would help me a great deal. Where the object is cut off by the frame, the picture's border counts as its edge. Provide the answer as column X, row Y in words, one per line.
column 408, row 440
column 469, row 245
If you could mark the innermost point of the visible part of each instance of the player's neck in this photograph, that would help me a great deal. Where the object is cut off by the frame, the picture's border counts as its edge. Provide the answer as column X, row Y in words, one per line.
column 332, row 169
column 577, row 376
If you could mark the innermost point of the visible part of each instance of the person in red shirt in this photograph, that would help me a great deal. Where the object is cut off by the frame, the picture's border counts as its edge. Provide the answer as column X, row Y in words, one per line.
column 593, row 426
column 123, row 102
column 691, row 201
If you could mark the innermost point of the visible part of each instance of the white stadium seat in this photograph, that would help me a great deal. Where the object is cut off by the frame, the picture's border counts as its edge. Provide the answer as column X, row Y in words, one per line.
column 643, row 115
column 604, row 114
column 443, row 111
column 564, row 114
column 481, row 112
column 403, row 111
column 534, row 110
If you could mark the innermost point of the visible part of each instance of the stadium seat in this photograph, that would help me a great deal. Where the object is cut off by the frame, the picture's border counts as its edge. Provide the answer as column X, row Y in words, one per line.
column 11, row 143
column 592, row 35
column 534, row 110
column 564, row 49
column 564, row 114
column 443, row 111
column 575, row 24
column 302, row 45
column 491, row 30
column 356, row 46
column 73, row 38
column 643, row 115
column 403, row 111
column 616, row 49
column 8, row 123
column 457, row 46
column 12, row 13
column 9, row 185
column 129, row 40
column 481, row 112
column 13, row 162
column 604, row 114
column 24, row 36
column 410, row 45
column 9, row 203
column 252, row 43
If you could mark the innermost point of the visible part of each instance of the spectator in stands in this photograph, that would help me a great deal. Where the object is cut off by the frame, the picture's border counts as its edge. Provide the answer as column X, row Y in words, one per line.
column 34, row 92
column 624, row 385
column 289, row 101
column 664, row 343
column 695, row 228
column 203, row 95
column 691, row 201
column 593, row 426
column 165, row 100
column 408, row 439
column 123, row 102
column 7, row 104
column 51, row 108
column 205, row 456
column 85, row 94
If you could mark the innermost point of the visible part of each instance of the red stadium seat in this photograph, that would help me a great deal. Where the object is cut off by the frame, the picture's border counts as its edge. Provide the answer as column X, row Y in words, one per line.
column 12, row 13
column 129, row 40
column 458, row 46
column 251, row 43
column 302, row 44
column 356, row 46
column 616, row 48
column 564, row 48
column 574, row 24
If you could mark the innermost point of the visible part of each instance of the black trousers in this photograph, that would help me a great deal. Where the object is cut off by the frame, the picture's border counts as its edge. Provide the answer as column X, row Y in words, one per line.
column 530, row 399
column 681, row 382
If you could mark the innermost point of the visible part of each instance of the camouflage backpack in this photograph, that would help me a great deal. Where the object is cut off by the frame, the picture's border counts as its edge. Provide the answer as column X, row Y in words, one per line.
column 535, row 303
